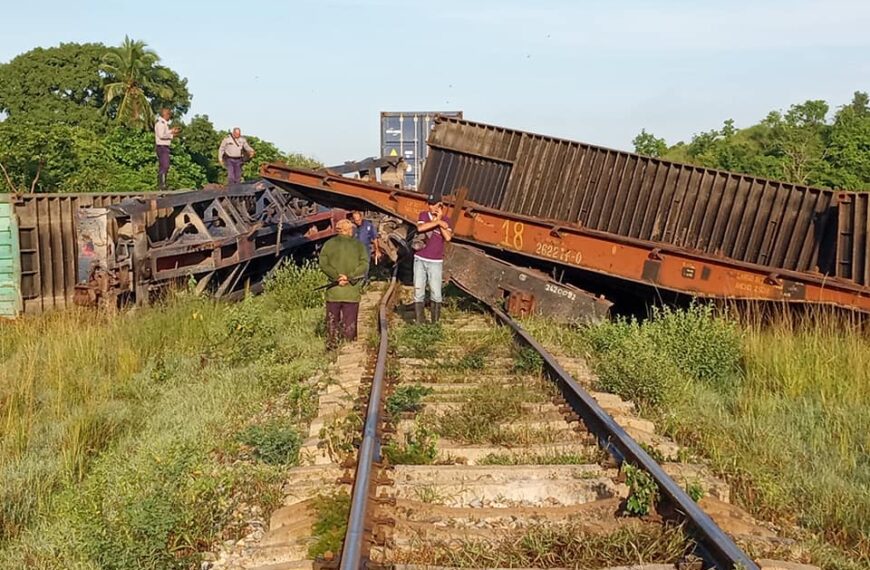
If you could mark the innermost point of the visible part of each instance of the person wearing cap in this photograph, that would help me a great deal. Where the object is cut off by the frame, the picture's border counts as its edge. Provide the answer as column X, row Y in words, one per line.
column 344, row 261
column 433, row 230
column 232, row 153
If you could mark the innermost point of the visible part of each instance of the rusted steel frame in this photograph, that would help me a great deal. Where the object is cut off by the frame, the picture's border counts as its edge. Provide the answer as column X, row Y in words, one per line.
column 352, row 552
column 614, row 439
column 290, row 238
column 659, row 265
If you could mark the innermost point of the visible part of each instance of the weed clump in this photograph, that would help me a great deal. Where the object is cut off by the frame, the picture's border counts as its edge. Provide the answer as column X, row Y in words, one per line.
column 274, row 443
column 419, row 341
column 568, row 545
column 527, row 361
column 478, row 419
column 642, row 491
column 330, row 524
column 419, row 448
column 407, row 399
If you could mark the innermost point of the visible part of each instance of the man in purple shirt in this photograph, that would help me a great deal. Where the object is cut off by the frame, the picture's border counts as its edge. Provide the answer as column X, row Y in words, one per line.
column 434, row 226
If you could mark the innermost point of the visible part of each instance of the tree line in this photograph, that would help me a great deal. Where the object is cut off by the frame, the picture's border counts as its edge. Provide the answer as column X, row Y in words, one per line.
column 807, row 144
column 78, row 118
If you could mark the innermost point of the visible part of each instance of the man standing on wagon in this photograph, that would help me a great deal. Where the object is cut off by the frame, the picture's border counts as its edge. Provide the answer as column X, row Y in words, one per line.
column 232, row 153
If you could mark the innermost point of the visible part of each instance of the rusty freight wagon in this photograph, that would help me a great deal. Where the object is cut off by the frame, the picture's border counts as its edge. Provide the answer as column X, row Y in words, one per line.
column 57, row 250
column 630, row 218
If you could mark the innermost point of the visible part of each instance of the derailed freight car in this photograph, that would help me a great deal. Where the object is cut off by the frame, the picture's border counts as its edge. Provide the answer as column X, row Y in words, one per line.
column 631, row 218
column 727, row 214
column 57, row 250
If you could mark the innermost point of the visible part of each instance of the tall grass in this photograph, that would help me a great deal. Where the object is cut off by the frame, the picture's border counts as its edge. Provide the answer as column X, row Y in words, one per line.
column 780, row 405
column 119, row 435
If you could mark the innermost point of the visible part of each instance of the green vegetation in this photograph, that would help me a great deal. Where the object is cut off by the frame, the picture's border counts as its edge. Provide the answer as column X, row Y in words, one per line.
column 420, row 447
column 642, row 491
column 552, row 458
column 274, row 443
column 418, row 341
column 407, row 399
column 478, row 419
column 128, row 441
column 779, row 405
column 330, row 524
column 801, row 145
column 527, row 361
column 78, row 119
column 695, row 490
column 568, row 545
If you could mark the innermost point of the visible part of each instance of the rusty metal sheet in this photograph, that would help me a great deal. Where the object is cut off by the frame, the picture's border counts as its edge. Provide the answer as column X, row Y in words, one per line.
column 746, row 218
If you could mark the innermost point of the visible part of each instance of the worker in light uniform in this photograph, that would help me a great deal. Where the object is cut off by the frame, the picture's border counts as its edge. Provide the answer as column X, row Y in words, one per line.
column 163, row 135
column 232, row 153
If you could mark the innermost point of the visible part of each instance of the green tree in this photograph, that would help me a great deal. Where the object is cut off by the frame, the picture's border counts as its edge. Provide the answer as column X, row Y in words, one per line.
column 648, row 144
column 202, row 140
column 137, row 86
column 35, row 155
column 848, row 152
column 799, row 139
column 59, row 83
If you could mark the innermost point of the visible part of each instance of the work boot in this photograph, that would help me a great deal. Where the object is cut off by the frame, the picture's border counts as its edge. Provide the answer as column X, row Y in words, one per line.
column 418, row 313
column 436, row 312
column 161, row 182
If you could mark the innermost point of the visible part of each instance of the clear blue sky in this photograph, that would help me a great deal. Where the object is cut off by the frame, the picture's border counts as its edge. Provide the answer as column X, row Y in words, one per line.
column 313, row 75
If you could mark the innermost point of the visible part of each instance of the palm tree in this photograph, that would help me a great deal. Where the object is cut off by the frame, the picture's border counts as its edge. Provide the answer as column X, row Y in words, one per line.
column 132, row 74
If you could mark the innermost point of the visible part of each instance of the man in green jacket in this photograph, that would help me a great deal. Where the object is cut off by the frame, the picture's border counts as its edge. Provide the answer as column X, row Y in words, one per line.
column 343, row 259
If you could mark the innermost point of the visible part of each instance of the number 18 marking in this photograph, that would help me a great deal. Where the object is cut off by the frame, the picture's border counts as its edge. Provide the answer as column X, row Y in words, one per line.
column 517, row 241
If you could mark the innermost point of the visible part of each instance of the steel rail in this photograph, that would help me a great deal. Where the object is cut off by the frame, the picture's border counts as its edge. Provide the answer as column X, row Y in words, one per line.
column 370, row 448
column 613, row 438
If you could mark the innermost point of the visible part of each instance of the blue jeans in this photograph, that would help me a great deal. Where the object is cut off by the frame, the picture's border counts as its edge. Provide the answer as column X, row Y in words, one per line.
column 427, row 271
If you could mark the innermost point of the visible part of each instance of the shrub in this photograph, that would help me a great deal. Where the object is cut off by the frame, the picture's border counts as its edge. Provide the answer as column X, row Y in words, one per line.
column 636, row 370
column 274, row 443
column 294, row 286
column 704, row 345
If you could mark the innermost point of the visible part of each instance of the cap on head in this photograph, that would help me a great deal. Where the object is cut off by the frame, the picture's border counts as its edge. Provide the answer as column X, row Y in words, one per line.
column 432, row 199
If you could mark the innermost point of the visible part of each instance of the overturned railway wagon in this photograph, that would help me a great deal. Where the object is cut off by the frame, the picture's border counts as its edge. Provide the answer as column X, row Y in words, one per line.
column 631, row 218
column 57, row 250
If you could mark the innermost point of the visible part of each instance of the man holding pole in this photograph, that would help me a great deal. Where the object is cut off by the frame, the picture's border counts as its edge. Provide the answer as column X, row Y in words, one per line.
column 344, row 261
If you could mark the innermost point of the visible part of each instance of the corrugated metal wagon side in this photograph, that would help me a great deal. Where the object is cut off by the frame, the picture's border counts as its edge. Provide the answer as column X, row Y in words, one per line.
column 751, row 219
column 48, row 247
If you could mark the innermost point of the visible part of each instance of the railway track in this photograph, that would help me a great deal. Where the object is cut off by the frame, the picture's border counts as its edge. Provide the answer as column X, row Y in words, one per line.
column 480, row 451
